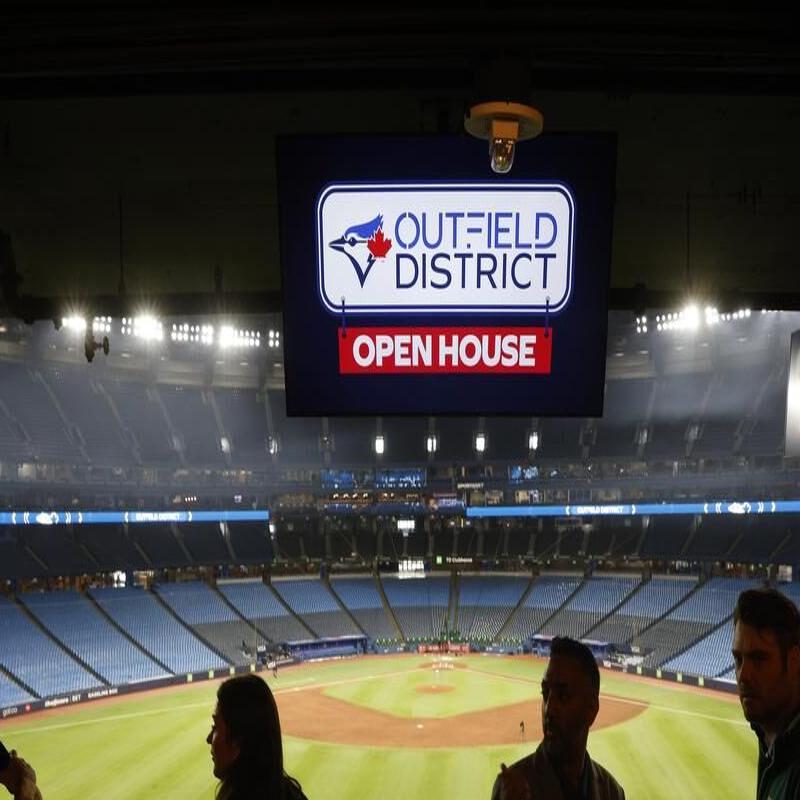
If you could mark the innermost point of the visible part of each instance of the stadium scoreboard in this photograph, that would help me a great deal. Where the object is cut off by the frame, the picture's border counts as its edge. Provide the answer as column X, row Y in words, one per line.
column 416, row 281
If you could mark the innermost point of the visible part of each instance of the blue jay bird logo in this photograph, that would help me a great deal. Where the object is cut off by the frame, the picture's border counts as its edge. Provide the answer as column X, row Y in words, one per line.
column 352, row 243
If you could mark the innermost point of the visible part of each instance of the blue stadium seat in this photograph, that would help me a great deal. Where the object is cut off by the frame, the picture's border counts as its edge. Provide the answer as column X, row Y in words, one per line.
column 149, row 624
column 36, row 659
column 75, row 622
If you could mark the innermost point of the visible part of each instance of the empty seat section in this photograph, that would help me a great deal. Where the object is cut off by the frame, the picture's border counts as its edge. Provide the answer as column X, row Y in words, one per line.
column 666, row 536
column 570, row 542
column 30, row 406
column 692, row 619
column 261, row 606
column 626, row 538
column 244, row 422
column 595, row 599
column 208, row 615
column 75, row 622
column 709, row 657
column 141, row 413
column 160, row 545
column 546, row 541
column 600, row 540
column 519, row 539
column 361, row 598
column 342, row 539
column 204, row 541
column 33, row 657
column 15, row 561
column 485, row 604
column 111, row 547
column 88, row 410
column 150, row 625
column 654, row 599
column 625, row 407
column 192, row 417
column 299, row 437
column 419, row 604
column 546, row 595
column 13, row 440
column 57, row 547
column 12, row 693
column 250, row 542
column 762, row 541
column 311, row 600
column 714, row 538
column 493, row 540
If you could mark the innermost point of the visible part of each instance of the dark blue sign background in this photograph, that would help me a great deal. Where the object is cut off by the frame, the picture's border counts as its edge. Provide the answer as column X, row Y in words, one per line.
column 314, row 387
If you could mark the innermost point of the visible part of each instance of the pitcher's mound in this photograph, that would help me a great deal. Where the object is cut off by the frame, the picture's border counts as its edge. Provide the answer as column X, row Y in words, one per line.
column 431, row 689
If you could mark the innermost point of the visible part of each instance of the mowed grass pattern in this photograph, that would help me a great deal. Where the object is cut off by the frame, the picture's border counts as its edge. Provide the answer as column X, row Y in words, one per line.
column 685, row 745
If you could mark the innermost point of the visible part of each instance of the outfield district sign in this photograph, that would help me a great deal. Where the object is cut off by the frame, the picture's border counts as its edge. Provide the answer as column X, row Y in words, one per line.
column 462, row 293
column 475, row 248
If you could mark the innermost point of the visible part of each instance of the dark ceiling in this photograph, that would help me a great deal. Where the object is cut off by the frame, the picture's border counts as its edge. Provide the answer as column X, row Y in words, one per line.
column 144, row 137
column 122, row 48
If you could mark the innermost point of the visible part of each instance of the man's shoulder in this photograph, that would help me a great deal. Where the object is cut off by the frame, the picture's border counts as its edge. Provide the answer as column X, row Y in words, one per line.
column 520, row 771
column 607, row 785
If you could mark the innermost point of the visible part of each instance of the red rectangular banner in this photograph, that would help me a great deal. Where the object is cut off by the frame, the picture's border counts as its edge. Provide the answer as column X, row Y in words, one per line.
column 482, row 350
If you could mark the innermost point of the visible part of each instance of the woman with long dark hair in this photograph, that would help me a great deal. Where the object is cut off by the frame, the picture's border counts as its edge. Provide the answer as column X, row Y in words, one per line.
column 246, row 744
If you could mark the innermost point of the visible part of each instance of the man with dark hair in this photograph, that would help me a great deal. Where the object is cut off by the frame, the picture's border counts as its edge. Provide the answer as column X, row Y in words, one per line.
column 560, row 768
column 766, row 652
column 17, row 776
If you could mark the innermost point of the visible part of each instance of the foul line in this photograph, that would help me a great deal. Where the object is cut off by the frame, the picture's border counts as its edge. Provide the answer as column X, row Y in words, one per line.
column 312, row 684
column 616, row 699
column 154, row 712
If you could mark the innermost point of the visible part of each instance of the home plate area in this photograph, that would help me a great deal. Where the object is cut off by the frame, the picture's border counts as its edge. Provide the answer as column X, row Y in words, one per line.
column 313, row 714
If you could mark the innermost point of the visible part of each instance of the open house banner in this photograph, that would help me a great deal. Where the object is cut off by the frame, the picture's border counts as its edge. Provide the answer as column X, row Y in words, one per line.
column 416, row 281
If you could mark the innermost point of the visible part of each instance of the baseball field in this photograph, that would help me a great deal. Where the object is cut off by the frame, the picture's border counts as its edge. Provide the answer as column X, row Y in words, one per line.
column 393, row 727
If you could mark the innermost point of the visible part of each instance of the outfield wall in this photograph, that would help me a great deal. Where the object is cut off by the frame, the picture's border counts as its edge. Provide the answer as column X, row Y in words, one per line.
column 104, row 692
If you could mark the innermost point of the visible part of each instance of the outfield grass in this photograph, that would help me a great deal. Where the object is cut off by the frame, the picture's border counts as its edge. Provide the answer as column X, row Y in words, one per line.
column 685, row 745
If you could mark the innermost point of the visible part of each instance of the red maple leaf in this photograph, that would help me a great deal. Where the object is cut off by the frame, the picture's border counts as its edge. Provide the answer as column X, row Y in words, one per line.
column 378, row 245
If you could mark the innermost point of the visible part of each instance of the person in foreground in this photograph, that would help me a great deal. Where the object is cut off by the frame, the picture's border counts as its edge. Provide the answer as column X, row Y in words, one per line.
column 560, row 768
column 246, row 744
column 766, row 653
column 18, row 776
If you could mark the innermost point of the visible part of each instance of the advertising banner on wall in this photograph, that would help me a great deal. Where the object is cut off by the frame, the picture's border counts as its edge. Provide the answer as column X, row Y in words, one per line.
column 416, row 281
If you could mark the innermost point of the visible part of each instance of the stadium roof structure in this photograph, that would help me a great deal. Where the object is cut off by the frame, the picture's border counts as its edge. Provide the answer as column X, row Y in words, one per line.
column 142, row 137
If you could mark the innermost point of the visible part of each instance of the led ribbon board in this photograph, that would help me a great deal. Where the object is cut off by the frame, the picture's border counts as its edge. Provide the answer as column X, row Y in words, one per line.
column 459, row 293
column 731, row 507
column 126, row 517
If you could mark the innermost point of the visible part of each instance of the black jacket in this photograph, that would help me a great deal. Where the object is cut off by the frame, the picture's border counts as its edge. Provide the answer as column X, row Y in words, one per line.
column 5, row 758
column 779, row 771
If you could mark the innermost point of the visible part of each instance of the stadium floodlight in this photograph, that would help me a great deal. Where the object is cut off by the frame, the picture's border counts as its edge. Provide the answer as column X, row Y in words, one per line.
column 431, row 443
column 480, row 443
column 148, row 328
column 379, row 444
column 234, row 337
column 690, row 317
column 533, row 441
column 273, row 445
column 74, row 322
column 101, row 325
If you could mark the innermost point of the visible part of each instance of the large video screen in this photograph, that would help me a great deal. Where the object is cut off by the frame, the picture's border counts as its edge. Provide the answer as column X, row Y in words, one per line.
column 416, row 281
